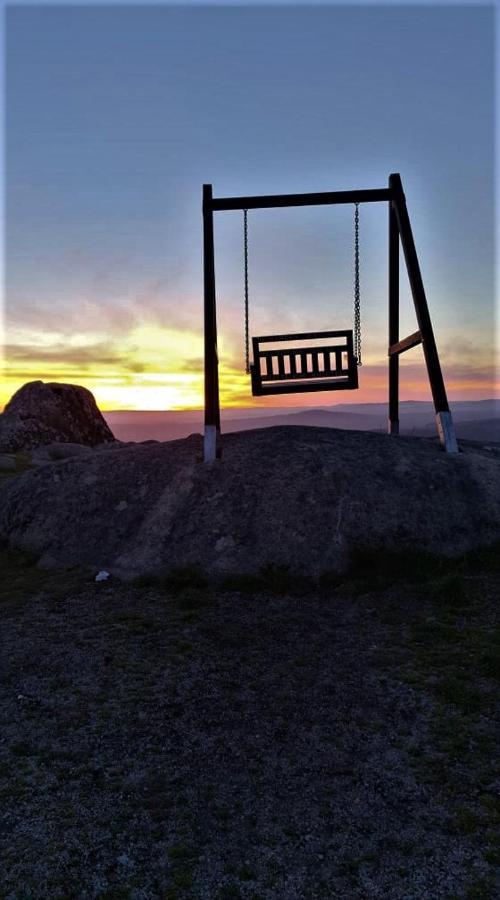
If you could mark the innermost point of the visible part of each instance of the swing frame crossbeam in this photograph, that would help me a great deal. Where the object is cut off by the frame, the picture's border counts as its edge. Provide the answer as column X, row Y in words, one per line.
column 275, row 201
column 400, row 233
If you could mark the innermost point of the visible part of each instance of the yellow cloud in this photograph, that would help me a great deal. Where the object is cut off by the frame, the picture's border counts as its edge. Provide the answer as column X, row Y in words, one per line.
column 148, row 368
column 154, row 368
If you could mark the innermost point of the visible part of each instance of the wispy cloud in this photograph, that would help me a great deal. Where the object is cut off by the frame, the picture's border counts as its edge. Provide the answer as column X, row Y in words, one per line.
column 150, row 366
column 61, row 353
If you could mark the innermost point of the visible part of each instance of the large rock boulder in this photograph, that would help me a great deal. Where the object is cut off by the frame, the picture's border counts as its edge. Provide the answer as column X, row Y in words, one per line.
column 302, row 497
column 41, row 413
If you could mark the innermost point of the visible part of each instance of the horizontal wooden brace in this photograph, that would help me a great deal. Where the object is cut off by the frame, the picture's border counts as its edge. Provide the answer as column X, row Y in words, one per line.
column 406, row 344
column 296, row 351
column 277, row 200
column 348, row 383
column 303, row 336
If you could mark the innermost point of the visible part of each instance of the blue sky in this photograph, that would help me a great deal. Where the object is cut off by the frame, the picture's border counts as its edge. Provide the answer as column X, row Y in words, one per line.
column 117, row 115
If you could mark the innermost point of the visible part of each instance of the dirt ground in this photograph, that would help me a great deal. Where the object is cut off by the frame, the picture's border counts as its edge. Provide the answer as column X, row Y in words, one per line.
column 264, row 737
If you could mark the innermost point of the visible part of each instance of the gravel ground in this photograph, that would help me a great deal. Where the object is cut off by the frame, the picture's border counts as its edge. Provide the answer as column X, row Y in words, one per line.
column 194, row 741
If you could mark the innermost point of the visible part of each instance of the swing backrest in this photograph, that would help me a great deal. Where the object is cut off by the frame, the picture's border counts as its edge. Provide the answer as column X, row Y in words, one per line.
column 292, row 363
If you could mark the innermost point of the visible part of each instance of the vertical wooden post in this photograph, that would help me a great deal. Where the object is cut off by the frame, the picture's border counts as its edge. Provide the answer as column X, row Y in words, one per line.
column 212, row 410
column 393, row 422
column 444, row 421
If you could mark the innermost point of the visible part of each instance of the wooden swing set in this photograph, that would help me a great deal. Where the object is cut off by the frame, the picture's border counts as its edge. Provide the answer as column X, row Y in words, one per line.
column 323, row 360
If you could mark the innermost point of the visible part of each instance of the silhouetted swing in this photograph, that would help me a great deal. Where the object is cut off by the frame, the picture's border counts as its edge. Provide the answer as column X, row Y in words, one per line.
column 323, row 360
column 310, row 361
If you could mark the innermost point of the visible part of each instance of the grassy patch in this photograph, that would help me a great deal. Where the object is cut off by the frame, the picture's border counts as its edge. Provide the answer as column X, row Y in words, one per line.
column 375, row 568
column 134, row 622
column 242, row 583
column 180, row 851
column 370, row 570
column 192, row 600
column 449, row 647
column 272, row 579
column 481, row 888
column 229, row 891
column 21, row 578
column 116, row 893
column 22, row 464
column 246, row 873
column 175, row 580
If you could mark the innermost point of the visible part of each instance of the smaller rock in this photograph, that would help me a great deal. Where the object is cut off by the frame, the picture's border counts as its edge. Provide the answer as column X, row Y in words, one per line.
column 46, row 413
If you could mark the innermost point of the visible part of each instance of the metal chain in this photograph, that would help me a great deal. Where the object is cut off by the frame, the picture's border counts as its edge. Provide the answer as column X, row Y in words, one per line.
column 357, row 311
column 245, row 244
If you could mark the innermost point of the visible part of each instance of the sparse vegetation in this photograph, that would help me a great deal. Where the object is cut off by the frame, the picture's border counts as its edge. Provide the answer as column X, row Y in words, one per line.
column 174, row 581
column 21, row 578
column 22, row 462
column 229, row 734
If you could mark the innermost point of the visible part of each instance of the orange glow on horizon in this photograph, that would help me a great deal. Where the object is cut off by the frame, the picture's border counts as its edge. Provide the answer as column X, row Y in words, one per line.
column 154, row 368
column 180, row 391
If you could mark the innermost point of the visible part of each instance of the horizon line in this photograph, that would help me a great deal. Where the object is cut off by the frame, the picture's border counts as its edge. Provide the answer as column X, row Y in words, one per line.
column 201, row 409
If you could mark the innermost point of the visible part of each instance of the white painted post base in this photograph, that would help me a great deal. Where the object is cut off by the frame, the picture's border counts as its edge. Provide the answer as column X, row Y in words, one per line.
column 392, row 427
column 210, row 443
column 446, row 432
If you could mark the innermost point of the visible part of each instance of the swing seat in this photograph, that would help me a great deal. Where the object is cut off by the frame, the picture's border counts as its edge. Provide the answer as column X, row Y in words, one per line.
column 326, row 362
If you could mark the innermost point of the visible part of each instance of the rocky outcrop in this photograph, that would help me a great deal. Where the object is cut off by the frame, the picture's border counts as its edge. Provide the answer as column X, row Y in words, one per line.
column 297, row 496
column 44, row 413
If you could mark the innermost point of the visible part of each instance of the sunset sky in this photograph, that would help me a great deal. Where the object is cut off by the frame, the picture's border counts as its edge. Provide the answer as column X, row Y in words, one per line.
column 116, row 115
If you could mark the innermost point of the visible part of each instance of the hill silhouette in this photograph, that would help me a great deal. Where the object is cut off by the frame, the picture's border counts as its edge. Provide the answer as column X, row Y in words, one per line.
column 474, row 420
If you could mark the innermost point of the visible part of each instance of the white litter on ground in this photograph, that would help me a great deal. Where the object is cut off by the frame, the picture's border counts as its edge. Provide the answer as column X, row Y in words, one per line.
column 102, row 575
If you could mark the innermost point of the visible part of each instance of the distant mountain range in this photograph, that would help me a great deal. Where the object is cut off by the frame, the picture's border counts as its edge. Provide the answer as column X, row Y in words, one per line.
column 477, row 420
